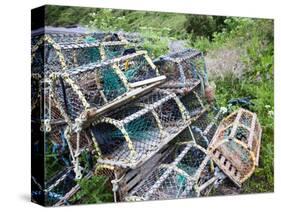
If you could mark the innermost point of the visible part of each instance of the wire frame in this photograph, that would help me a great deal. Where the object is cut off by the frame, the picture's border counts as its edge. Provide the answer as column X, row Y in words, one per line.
column 236, row 145
column 132, row 134
column 183, row 69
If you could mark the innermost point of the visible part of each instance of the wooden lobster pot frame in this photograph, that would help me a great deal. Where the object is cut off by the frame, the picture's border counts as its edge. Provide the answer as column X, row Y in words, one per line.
column 183, row 69
column 57, row 126
column 57, row 56
column 236, row 145
column 131, row 135
column 124, row 180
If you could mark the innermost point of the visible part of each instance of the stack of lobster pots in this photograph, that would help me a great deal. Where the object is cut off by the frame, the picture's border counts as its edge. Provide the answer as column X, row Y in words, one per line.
column 105, row 108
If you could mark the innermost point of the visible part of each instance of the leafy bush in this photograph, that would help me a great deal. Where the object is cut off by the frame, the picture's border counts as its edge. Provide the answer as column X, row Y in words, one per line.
column 203, row 25
column 67, row 16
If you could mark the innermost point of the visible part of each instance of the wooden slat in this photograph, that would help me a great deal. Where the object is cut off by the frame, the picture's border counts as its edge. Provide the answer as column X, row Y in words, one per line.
column 217, row 154
column 222, row 159
column 148, row 81
column 252, row 131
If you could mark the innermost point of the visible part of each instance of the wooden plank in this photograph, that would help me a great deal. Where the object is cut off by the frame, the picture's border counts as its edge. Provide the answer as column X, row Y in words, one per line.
column 142, row 172
column 146, row 82
column 235, row 124
column 222, row 159
column 208, row 183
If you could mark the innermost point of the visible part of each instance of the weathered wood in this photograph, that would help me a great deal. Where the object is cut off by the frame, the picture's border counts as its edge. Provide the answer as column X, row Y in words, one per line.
column 146, row 82
column 134, row 177
column 252, row 131
column 208, row 183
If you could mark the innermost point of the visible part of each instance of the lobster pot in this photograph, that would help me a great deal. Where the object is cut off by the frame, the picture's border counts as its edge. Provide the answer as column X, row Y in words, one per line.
column 45, row 109
column 97, row 85
column 37, row 57
column 183, row 69
column 177, row 177
column 236, row 145
column 131, row 135
column 113, row 49
column 58, row 56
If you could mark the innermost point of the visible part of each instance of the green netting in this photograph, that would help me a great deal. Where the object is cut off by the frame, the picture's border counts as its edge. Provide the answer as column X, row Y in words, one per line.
column 131, row 73
column 93, row 53
column 112, row 52
column 138, row 129
column 89, row 39
column 112, row 85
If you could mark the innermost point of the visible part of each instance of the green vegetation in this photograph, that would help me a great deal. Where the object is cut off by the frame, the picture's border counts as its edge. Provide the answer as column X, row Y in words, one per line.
column 249, row 40
column 93, row 190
